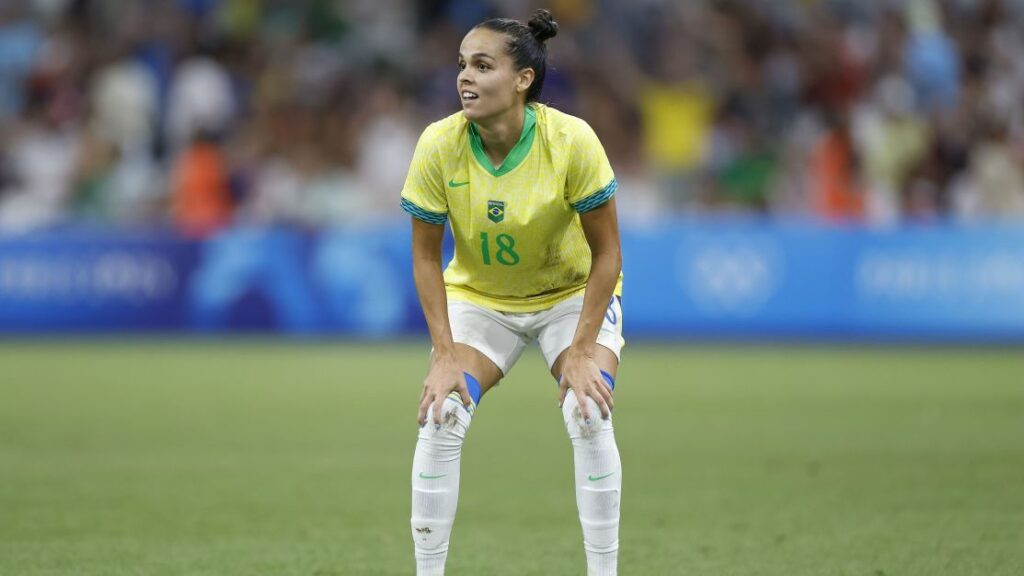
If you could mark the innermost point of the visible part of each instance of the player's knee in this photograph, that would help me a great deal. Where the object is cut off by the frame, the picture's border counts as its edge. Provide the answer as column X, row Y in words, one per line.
column 455, row 420
column 577, row 426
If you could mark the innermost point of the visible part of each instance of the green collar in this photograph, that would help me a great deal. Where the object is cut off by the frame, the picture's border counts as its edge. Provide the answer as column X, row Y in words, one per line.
column 515, row 156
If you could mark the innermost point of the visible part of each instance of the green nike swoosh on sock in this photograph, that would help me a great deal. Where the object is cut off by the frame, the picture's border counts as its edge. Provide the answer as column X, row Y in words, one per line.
column 431, row 476
column 593, row 478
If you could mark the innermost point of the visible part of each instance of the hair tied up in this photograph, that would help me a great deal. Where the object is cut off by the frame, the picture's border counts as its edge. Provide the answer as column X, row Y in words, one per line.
column 543, row 25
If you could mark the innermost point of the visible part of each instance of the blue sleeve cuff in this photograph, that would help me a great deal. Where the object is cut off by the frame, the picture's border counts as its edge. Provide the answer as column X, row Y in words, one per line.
column 424, row 215
column 597, row 199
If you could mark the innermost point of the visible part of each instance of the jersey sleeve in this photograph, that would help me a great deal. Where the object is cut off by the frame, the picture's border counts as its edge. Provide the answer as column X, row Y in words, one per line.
column 423, row 195
column 590, row 181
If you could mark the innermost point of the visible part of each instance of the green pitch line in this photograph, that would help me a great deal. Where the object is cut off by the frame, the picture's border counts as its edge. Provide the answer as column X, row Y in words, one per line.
column 210, row 458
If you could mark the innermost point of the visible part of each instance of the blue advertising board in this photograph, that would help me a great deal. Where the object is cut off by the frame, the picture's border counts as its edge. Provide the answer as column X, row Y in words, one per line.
column 88, row 281
column 692, row 279
column 761, row 279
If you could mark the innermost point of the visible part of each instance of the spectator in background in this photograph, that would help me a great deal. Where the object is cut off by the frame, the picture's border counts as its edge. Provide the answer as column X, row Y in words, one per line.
column 20, row 43
column 93, row 178
column 677, row 110
column 744, row 167
column 274, row 194
column 833, row 168
column 202, row 99
column 932, row 65
column 892, row 140
column 834, row 71
column 43, row 154
column 200, row 194
column 118, row 180
column 124, row 97
column 387, row 138
column 336, row 196
column 997, row 172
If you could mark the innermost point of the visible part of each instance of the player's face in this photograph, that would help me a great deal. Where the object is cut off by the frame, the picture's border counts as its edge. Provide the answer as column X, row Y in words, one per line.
column 488, row 82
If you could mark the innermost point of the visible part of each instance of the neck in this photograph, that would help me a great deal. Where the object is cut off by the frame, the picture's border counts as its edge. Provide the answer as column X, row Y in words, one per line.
column 500, row 134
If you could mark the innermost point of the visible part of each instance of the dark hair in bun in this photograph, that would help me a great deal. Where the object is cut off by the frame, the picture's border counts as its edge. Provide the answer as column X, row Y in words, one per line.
column 543, row 25
column 526, row 44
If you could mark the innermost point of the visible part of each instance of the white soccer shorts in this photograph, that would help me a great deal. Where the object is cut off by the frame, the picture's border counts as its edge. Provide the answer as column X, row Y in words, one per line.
column 502, row 336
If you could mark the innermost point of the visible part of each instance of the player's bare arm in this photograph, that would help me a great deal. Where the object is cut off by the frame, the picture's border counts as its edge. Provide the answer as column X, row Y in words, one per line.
column 581, row 364
column 445, row 373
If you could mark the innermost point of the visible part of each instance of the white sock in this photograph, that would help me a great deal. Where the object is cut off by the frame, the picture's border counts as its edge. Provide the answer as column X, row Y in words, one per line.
column 435, row 485
column 598, row 484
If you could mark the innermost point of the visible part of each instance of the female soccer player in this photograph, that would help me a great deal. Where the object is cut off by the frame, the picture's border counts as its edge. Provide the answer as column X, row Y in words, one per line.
column 529, row 193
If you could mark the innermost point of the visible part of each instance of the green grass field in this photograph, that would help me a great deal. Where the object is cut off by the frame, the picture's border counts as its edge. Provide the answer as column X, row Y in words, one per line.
column 256, row 458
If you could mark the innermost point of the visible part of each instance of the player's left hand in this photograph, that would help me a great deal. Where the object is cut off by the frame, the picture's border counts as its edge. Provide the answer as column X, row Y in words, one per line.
column 444, row 376
column 581, row 374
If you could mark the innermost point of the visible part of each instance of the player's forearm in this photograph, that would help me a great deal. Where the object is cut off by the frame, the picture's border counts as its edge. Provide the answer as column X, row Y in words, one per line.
column 604, row 273
column 434, row 301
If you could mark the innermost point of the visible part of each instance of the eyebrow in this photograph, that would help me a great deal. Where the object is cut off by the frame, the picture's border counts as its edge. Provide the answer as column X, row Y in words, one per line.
column 477, row 55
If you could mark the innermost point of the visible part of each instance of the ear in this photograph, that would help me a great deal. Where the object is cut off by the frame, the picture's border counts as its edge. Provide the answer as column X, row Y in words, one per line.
column 524, row 79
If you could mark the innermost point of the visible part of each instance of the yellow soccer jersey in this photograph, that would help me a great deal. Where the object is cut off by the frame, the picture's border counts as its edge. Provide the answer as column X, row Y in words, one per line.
column 519, row 244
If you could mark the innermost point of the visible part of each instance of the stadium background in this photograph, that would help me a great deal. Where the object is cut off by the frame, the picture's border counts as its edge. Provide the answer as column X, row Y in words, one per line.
column 211, row 346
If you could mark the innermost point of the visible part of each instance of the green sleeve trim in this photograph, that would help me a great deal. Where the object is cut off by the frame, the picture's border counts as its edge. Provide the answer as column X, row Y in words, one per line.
column 424, row 215
column 597, row 199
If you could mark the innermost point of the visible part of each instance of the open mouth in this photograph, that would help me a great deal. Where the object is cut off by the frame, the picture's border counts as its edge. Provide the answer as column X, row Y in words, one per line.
column 468, row 95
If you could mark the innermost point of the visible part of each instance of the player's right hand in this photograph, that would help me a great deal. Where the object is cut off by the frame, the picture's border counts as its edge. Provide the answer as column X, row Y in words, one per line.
column 444, row 376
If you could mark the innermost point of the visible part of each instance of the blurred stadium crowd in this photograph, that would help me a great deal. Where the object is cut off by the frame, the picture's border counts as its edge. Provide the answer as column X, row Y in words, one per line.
column 204, row 113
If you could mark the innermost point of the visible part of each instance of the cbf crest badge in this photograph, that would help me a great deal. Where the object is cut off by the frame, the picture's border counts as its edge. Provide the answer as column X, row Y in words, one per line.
column 495, row 211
